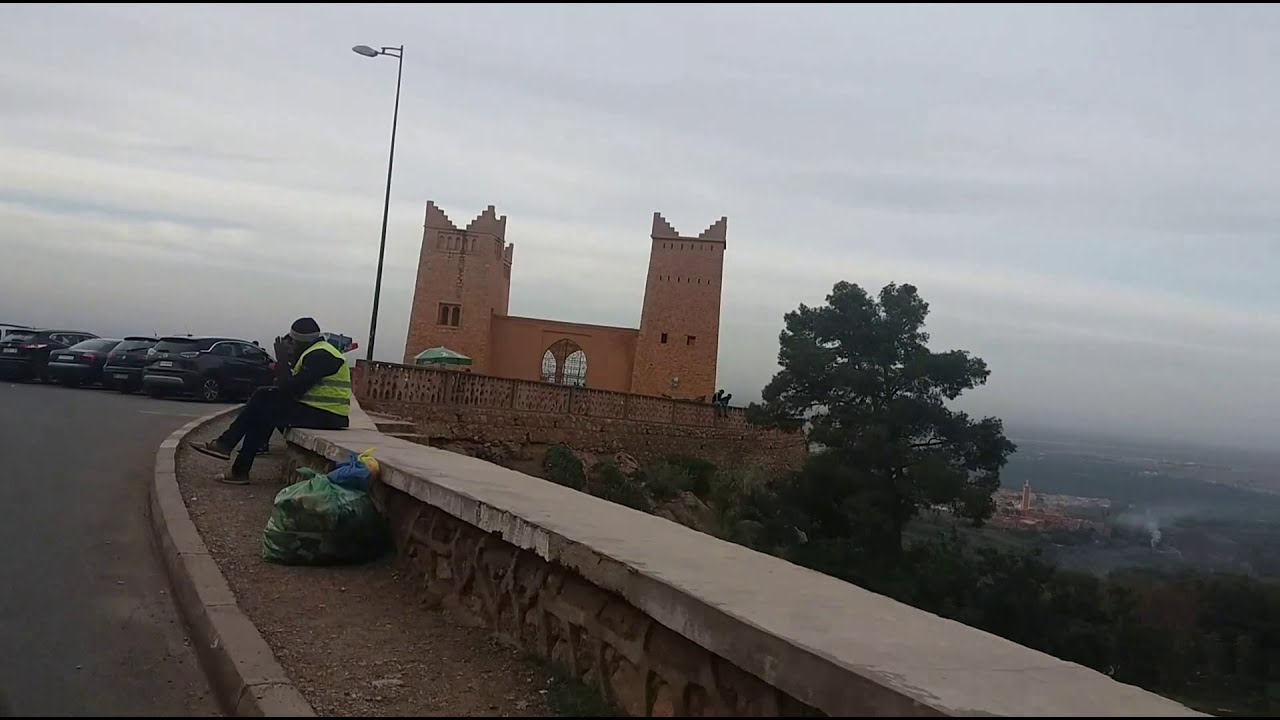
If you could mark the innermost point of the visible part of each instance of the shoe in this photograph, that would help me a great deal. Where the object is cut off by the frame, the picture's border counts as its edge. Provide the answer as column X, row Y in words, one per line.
column 213, row 449
column 232, row 478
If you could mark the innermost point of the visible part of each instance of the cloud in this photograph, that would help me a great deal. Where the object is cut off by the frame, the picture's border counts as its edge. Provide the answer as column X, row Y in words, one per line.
column 1087, row 198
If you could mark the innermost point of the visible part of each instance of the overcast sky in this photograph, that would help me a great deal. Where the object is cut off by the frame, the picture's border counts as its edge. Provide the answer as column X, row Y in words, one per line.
column 1088, row 197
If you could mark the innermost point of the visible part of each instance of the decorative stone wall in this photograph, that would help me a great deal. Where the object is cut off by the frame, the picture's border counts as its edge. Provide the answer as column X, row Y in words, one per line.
column 641, row 666
column 449, row 406
column 529, row 603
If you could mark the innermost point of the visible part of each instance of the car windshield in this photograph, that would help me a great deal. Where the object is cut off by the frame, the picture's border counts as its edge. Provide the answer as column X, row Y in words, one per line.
column 135, row 344
column 17, row 337
column 177, row 345
column 95, row 345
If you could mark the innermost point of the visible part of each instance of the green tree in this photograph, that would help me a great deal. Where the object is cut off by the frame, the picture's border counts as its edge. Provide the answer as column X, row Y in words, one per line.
column 858, row 373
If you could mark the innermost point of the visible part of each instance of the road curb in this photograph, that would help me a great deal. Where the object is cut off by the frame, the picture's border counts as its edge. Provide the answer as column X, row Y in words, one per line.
column 243, row 672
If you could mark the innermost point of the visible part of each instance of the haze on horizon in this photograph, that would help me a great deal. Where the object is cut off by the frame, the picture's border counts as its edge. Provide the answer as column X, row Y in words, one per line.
column 1086, row 195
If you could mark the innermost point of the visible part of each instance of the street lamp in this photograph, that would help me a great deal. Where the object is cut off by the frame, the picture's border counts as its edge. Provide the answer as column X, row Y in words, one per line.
column 398, row 54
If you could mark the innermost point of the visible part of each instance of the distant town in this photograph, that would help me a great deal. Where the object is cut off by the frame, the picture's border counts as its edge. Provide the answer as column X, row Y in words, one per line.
column 1026, row 510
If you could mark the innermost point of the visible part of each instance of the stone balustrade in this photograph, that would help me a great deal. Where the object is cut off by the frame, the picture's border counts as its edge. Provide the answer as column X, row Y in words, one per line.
column 447, row 405
column 668, row 621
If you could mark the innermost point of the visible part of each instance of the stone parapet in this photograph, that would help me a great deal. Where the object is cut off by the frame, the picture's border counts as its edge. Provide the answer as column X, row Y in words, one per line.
column 449, row 406
column 668, row 621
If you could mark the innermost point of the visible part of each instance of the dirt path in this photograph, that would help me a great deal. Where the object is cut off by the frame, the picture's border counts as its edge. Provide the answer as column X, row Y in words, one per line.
column 356, row 640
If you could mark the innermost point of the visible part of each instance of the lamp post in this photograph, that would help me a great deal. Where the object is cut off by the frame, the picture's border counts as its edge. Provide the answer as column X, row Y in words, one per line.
column 398, row 54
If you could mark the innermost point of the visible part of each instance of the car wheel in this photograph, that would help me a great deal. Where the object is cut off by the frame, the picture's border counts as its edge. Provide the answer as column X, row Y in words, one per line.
column 210, row 390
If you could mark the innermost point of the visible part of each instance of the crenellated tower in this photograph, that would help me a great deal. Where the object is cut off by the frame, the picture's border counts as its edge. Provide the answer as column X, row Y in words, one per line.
column 678, row 345
column 464, row 279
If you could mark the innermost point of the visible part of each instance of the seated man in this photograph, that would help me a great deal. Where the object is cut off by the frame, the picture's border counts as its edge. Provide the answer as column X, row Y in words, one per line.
column 312, row 391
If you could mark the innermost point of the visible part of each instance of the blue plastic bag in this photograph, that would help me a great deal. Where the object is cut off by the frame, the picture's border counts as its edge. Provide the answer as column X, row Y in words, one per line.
column 352, row 474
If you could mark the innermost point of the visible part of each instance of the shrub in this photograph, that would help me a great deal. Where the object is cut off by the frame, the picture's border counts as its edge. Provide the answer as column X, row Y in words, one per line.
column 700, row 473
column 664, row 480
column 609, row 483
column 731, row 488
column 736, row 494
column 564, row 468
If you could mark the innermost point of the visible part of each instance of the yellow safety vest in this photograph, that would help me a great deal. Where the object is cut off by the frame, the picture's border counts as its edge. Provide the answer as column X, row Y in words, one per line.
column 331, row 393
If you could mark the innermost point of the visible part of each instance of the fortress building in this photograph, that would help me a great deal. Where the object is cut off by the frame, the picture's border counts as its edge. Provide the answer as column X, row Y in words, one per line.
column 463, row 287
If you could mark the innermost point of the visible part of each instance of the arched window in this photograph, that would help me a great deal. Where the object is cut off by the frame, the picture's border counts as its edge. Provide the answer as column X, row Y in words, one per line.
column 450, row 315
column 574, row 370
column 565, row 363
column 548, row 367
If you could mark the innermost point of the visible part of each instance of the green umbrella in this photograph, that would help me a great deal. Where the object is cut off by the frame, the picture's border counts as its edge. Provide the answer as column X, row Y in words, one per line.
column 440, row 356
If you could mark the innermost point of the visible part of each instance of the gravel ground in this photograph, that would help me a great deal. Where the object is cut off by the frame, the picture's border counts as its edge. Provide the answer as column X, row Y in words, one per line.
column 357, row 641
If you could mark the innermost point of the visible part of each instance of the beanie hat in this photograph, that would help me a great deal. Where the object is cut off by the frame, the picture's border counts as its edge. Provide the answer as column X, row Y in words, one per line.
column 305, row 330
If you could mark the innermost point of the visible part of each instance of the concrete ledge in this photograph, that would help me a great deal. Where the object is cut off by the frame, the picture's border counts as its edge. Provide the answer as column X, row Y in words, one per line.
column 243, row 672
column 358, row 419
column 567, row 574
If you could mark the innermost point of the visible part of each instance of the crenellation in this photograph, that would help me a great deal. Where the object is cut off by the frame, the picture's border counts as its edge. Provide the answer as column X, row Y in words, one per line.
column 718, row 232
column 662, row 228
column 436, row 219
column 489, row 223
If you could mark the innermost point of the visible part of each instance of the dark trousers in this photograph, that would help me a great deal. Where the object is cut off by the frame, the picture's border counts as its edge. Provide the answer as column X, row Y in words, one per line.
column 267, row 411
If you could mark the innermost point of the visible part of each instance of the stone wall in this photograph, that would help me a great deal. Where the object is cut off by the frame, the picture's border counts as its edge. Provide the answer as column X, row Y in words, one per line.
column 543, row 608
column 668, row 621
column 451, row 406
column 646, row 669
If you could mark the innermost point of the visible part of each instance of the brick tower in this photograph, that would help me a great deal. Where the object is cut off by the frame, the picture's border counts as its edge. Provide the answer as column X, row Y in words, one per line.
column 464, row 279
column 678, row 344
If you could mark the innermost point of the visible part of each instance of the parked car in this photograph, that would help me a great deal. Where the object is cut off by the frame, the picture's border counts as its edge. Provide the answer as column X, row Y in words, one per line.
column 211, row 368
column 82, row 363
column 7, row 329
column 124, row 363
column 24, row 355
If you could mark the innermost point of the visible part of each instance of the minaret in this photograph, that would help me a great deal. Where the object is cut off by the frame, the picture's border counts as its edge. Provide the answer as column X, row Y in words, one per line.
column 679, row 339
column 464, row 279
column 1026, row 496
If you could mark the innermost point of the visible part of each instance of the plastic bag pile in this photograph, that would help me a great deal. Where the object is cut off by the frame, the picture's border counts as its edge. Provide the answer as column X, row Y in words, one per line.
column 327, row 518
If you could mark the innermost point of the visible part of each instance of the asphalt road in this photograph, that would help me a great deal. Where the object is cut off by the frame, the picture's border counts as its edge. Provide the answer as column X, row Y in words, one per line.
column 87, row 626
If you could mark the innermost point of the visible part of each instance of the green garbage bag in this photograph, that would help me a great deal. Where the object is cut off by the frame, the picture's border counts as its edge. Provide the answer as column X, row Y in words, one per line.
column 316, row 522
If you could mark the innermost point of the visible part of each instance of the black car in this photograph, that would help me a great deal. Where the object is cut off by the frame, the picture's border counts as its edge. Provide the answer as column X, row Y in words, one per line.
column 124, row 364
column 24, row 355
column 82, row 363
column 211, row 368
